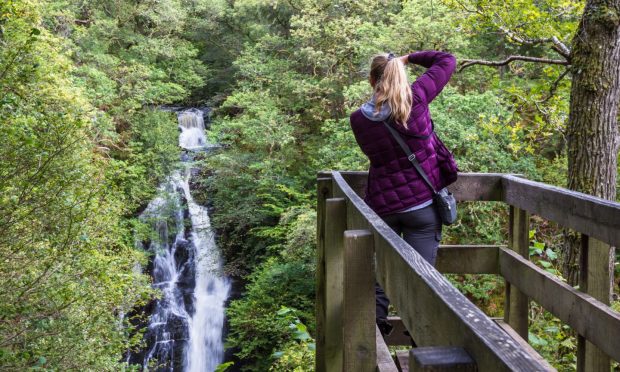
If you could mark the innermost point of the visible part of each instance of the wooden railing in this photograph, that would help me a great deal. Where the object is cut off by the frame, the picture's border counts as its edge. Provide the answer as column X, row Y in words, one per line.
column 355, row 246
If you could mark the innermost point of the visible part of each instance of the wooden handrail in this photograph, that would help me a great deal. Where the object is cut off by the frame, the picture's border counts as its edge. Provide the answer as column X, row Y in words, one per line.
column 593, row 216
column 587, row 214
column 433, row 310
column 588, row 316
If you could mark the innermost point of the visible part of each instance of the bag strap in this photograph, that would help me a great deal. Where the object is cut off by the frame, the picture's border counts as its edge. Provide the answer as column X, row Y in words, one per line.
column 410, row 156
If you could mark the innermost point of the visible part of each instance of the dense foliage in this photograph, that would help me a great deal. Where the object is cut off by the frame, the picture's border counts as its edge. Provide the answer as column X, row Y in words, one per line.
column 85, row 144
column 83, row 150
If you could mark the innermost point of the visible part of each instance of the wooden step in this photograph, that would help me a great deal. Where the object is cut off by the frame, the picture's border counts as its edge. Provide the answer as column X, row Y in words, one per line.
column 401, row 358
column 435, row 359
column 399, row 335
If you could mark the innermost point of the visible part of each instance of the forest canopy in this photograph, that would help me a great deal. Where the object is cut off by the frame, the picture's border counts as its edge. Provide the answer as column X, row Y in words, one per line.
column 84, row 87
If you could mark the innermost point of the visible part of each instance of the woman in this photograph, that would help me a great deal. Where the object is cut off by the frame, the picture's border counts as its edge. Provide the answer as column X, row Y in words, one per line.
column 395, row 190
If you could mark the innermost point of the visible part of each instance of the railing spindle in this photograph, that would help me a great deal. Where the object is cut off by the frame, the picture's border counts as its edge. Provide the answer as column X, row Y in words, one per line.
column 517, row 304
column 594, row 279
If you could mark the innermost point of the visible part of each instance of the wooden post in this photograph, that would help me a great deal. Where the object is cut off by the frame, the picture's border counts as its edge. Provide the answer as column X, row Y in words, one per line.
column 517, row 304
column 360, row 349
column 324, row 191
column 335, row 225
column 594, row 279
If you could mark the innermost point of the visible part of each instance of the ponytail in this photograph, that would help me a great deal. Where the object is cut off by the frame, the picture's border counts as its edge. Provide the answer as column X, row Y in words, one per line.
column 391, row 87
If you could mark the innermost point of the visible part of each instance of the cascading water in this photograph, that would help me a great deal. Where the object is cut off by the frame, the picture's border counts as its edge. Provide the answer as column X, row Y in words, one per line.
column 205, row 349
column 192, row 126
column 185, row 328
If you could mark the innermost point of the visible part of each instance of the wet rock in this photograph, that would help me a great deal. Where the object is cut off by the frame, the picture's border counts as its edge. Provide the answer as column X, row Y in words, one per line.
column 184, row 252
column 168, row 344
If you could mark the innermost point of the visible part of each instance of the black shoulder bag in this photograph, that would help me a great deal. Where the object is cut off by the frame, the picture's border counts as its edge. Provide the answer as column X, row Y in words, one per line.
column 444, row 200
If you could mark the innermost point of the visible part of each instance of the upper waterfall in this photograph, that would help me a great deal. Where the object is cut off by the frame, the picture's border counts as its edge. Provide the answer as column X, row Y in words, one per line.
column 192, row 126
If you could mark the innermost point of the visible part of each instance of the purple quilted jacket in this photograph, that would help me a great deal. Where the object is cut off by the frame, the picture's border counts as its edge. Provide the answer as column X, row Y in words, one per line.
column 393, row 183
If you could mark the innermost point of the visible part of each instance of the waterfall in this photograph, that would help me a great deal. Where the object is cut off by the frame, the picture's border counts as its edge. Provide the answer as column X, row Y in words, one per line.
column 185, row 326
column 192, row 125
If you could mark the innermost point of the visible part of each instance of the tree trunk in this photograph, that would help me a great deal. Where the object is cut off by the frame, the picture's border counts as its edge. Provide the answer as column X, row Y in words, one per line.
column 592, row 129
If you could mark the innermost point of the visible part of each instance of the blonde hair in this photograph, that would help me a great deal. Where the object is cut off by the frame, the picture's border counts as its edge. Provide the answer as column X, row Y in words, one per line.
column 391, row 87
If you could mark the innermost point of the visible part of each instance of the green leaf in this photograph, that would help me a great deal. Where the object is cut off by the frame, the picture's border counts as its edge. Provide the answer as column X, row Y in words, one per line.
column 284, row 310
column 551, row 254
column 224, row 366
column 302, row 336
column 537, row 341
column 553, row 271
column 545, row 264
column 301, row 327
column 552, row 329
column 41, row 362
column 568, row 343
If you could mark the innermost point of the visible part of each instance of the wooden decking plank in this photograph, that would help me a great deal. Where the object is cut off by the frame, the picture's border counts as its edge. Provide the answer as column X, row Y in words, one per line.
column 468, row 259
column 587, row 214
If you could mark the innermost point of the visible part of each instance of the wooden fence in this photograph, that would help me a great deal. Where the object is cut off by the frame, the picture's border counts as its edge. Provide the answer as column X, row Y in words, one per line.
column 355, row 246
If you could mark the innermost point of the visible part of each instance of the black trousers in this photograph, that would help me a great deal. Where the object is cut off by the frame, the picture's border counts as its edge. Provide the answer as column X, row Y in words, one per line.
column 422, row 230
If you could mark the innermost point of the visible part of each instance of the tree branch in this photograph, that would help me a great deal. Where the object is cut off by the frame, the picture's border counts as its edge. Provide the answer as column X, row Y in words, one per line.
column 558, row 46
column 561, row 47
column 554, row 86
column 470, row 62
column 468, row 10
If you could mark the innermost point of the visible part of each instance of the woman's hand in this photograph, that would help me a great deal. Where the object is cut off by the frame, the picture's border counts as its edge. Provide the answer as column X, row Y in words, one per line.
column 404, row 59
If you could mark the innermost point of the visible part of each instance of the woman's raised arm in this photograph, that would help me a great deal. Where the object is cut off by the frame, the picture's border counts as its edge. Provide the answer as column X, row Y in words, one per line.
column 440, row 66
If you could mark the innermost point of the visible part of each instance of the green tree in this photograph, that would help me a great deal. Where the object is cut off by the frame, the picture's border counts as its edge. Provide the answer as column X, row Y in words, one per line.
column 593, row 62
column 84, row 147
column 67, row 271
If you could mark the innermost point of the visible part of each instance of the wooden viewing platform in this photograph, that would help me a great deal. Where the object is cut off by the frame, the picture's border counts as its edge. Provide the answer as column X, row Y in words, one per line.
column 355, row 246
